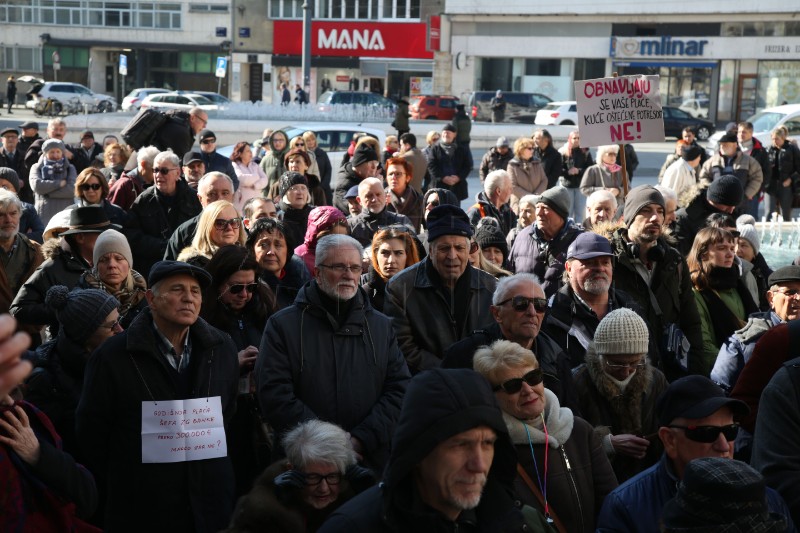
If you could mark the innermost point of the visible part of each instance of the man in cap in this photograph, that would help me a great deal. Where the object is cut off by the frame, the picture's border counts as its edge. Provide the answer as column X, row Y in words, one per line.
column 374, row 213
column 214, row 161
column 655, row 275
column 194, row 168
column 10, row 154
column 85, row 152
column 30, row 134
column 493, row 201
column 449, row 163
column 353, row 205
column 496, row 158
column 364, row 164
column 695, row 420
column 451, row 467
column 441, row 299
column 168, row 353
column 541, row 248
column 724, row 195
column 730, row 160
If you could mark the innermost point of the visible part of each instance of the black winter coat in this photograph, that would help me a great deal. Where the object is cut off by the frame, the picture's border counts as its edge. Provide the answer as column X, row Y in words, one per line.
column 346, row 178
column 216, row 162
column 365, row 225
column 325, row 172
column 440, row 165
column 691, row 219
column 494, row 160
column 175, row 134
column 286, row 288
column 552, row 162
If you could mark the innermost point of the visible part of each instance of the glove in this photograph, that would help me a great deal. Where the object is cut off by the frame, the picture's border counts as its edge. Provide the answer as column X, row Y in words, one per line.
column 290, row 479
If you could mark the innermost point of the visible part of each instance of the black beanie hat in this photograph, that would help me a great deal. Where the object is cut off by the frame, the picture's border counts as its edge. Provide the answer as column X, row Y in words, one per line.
column 726, row 190
column 638, row 198
column 289, row 179
column 364, row 154
column 691, row 152
column 488, row 233
column 448, row 220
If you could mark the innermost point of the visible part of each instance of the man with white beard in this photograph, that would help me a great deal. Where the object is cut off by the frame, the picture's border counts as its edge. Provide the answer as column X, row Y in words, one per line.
column 579, row 306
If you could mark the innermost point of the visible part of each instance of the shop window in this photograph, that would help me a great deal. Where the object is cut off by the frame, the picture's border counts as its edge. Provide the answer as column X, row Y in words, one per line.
column 776, row 83
column 542, row 67
column 590, row 69
column 20, row 59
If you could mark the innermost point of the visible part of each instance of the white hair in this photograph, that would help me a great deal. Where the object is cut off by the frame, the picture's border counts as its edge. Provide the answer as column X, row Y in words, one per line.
column 506, row 284
column 315, row 441
column 602, row 195
column 330, row 243
column 147, row 154
column 602, row 150
column 528, row 199
column 667, row 193
column 201, row 183
column 496, row 179
column 168, row 155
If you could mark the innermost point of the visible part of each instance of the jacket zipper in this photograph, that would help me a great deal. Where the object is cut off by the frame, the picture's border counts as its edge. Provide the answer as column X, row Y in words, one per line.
column 574, row 486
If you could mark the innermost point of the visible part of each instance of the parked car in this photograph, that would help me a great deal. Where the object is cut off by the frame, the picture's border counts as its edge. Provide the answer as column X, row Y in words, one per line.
column 558, row 114
column 675, row 119
column 134, row 98
column 767, row 120
column 66, row 92
column 214, row 97
column 329, row 99
column 697, row 107
column 433, row 107
column 183, row 101
column 520, row 107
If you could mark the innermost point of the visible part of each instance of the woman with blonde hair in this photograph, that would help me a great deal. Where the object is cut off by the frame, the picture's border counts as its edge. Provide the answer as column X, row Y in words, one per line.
column 393, row 249
column 220, row 224
column 114, row 158
column 526, row 172
column 605, row 174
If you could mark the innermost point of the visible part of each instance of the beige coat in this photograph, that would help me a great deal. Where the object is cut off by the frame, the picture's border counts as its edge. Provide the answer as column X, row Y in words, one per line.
column 527, row 177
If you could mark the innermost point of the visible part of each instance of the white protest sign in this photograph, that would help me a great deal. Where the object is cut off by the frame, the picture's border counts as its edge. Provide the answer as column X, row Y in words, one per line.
column 622, row 110
column 183, row 430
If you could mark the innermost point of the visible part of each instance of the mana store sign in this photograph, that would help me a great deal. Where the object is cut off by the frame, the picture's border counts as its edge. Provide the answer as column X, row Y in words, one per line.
column 664, row 46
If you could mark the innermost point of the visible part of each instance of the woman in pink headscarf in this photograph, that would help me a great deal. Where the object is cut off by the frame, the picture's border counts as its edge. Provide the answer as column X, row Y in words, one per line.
column 322, row 221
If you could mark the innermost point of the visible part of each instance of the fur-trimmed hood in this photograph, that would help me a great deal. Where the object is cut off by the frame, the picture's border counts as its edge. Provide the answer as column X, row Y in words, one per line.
column 610, row 228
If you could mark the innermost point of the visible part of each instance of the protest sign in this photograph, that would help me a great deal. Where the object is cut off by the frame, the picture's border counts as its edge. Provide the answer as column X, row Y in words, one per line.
column 183, row 430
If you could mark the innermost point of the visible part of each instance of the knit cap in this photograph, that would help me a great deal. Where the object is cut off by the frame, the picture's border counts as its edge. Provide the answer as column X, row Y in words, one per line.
column 558, row 199
column 638, row 198
column 726, row 190
column 49, row 144
column 289, row 180
column 112, row 241
column 488, row 233
column 81, row 311
column 750, row 234
column 11, row 176
column 621, row 331
column 691, row 152
column 448, row 220
column 364, row 154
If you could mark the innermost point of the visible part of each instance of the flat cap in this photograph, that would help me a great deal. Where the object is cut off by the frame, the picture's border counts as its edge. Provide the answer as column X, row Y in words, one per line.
column 166, row 269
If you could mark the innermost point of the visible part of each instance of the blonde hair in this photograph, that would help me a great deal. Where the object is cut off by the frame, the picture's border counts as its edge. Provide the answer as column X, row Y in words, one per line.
column 489, row 361
column 520, row 144
column 202, row 238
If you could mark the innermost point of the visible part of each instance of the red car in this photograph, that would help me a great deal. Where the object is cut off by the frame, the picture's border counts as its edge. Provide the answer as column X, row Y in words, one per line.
column 433, row 107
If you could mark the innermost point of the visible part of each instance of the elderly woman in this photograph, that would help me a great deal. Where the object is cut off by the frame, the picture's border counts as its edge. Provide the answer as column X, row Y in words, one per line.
column 403, row 199
column 113, row 274
column 605, row 174
column 114, row 158
column 393, row 249
column 298, row 160
column 723, row 301
column 322, row 221
column 563, row 470
column 294, row 209
column 219, row 224
column 280, row 269
column 526, row 172
column 91, row 188
column 299, row 143
column 548, row 155
column 297, row 494
column 525, row 217
column 251, row 178
column 617, row 391
column 492, row 242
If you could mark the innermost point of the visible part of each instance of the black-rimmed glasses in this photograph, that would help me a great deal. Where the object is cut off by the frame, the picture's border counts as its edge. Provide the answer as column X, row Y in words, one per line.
column 513, row 386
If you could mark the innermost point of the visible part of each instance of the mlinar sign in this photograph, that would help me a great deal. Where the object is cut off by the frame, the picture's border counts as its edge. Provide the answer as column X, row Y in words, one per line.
column 664, row 46
column 350, row 40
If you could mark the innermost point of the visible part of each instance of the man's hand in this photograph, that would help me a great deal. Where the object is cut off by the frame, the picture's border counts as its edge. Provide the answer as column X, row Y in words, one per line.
column 247, row 359
column 358, row 448
column 630, row 445
column 450, row 180
column 12, row 345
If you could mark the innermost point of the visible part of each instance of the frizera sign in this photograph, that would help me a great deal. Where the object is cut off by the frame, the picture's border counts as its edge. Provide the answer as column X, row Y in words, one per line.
column 347, row 39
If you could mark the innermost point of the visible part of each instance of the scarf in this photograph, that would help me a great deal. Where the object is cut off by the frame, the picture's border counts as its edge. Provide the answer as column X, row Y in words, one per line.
column 723, row 320
column 559, row 422
column 129, row 296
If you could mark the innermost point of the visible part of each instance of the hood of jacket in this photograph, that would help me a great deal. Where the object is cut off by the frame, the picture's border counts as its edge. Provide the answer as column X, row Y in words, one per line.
column 446, row 196
column 278, row 153
column 318, row 218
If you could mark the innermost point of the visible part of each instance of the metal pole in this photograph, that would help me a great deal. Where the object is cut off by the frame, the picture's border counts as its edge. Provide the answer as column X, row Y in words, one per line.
column 308, row 12
column 219, row 85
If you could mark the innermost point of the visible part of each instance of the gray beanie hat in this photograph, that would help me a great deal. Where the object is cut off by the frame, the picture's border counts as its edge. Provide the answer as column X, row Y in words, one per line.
column 11, row 176
column 638, row 198
column 558, row 199
column 112, row 241
column 49, row 144
column 81, row 311
column 749, row 232
column 621, row 331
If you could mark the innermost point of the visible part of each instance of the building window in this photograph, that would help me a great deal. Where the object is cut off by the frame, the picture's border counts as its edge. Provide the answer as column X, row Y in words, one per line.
column 71, row 57
column 21, row 59
column 96, row 13
column 542, row 67
column 196, row 62
column 589, row 69
column 208, row 8
column 346, row 9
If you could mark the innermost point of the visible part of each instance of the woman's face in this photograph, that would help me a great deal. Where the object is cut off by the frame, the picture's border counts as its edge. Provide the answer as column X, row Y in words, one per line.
column 721, row 254
column 526, row 404
column 493, row 255
column 392, row 257
column 271, row 252
column 113, row 270
column 745, row 250
column 228, row 234
column 297, row 164
column 297, row 196
column 279, row 142
column 109, row 327
column 322, row 494
column 238, row 289
column 247, row 155
column 91, row 190
column 778, row 141
column 311, row 143
column 609, row 158
column 114, row 157
column 397, row 179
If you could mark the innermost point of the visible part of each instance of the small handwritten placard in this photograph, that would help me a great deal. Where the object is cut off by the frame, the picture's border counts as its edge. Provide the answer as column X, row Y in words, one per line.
column 183, row 430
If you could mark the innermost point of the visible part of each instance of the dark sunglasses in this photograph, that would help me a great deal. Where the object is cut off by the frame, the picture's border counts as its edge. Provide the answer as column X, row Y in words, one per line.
column 222, row 223
column 208, row 141
column 239, row 287
column 709, row 434
column 92, row 186
column 163, row 170
column 434, row 203
column 521, row 303
column 513, row 386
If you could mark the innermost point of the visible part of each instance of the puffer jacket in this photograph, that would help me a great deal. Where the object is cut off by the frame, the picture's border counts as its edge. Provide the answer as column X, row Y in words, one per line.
column 365, row 225
column 494, row 160
column 527, row 177
column 318, row 218
column 746, row 168
column 735, row 353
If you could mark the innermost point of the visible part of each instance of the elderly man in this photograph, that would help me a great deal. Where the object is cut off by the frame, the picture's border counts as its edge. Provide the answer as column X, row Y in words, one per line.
column 656, row 276
column 256, row 208
column 374, row 214
column 722, row 196
column 21, row 255
column 541, row 248
column 451, row 467
column 194, row 168
column 179, row 130
column 214, row 161
column 211, row 187
column 730, row 160
column 493, row 201
column 415, row 157
column 496, row 158
column 449, row 164
column 441, row 299
column 133, row 182
column 10, row 154
column 168, row 353
column 670, row 205
column 86, row 151
column 601, row 207
column 518, row 308
column 579, row 306
column 158, row 211
column 695, row 420
column 314, row 361
column 363, row 165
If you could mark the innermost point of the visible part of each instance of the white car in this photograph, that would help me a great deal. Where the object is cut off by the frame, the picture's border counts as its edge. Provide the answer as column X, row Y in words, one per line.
column 135, row 97
column 214, row 97
column 697, row 107
column 67, row 92
column 764, row 122
column 182, row 101
column 558, row 114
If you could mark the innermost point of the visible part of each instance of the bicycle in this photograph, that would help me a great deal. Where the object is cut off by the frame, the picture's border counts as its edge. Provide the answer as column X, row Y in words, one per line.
column 49, row 107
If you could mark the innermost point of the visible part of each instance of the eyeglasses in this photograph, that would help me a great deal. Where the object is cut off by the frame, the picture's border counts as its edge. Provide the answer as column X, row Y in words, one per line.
column 236, row 288
column 92, row 186
column 313, row 480
column 340, row 268
column 163, row 170
column 513, row 386
column 298, row 188
column 113, row 325
column 299, row 144
column 203, row 120
column 222, row 223
column 709, row 434
column 521, row 303
column 208, row 141
column 789, row 293
column 620, row 366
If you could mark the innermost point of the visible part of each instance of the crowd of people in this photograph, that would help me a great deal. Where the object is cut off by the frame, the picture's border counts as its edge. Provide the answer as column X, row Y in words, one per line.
column 266, row 343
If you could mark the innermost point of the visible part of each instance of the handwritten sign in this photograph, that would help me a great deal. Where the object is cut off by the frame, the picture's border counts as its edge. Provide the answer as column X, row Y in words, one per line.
column 619, row 110
column 183, row 430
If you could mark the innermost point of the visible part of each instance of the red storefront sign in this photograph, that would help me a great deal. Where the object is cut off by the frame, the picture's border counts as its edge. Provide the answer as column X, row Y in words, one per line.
column 435, row 35
column 347, row 39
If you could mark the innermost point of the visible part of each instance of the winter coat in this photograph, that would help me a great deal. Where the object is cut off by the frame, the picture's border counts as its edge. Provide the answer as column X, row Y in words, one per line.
column 216, row 162
column 494, row 160
column 296, row 222
column 425, row 321
column 598, row 178
column 401, row 116
column 578, row 473
column 325, row 173
column 552, row 163
column 365, row 225
column 151, row 223
column 419, row 167
column 252, row 181
column 286, row 287
column 10, row 287
column 375, row 287
column 784, row 162
column 498, row 107
column 346, row 179
column 544, row 259
column 483, row 208
column 733, row 300
column 307, row 365
column 125, row 190
column 463, row 126
column 30, row 224
column 16, row 162
column 744, row 167
column 175, row 134
column 527, row 177
column 409, row 204
column 440, row 165
column 580, row 158
column 127, row 370
column 613, row 413
column 691, row 218
column 181, row 238
column 680, row 177
column 738, row 350
column 83, row 158
column 668, row 162
column 317, row 219
column 50, row 196
column 272, row 162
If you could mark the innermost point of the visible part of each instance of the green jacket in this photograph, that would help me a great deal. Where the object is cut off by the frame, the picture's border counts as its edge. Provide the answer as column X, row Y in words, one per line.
column 710, row 350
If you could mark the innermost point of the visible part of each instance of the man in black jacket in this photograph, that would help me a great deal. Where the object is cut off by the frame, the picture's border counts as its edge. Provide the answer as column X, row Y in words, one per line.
column 214, row 161
column 496, row 158
column 450, row 163
column 178, row 131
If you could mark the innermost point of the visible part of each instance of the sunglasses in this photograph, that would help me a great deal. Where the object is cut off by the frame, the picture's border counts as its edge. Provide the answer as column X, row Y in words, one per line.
column 434, row 203
column 222, row 223
column 521, row 303
column 163, row 170
column 208, row 141
column 239, row 287
column 299, row 144
column 92, row 186
column 709, row 434
column 513, row 386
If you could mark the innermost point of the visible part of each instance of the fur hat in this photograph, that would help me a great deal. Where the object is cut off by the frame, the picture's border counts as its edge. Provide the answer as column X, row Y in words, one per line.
column 726, row 190
column 621, row 331
column 81, row 311
column 558, row 199
column 112, row 241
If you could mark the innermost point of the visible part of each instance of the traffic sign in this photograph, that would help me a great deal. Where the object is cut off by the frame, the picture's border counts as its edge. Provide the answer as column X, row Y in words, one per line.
column 222, row 67
column 123, row 65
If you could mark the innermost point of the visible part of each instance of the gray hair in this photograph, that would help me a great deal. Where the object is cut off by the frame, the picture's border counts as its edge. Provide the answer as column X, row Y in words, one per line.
column 147, row 154
column 168, row 156
column 508, row 283
column 501, row 355
column 56, row 121
column 603, row 195
column 201, row 183
column 496, row 179
column 667, row 193
column 603, row 150
column 8, row 198
column 529, row 199
column 330, row 243
column 317, row 441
